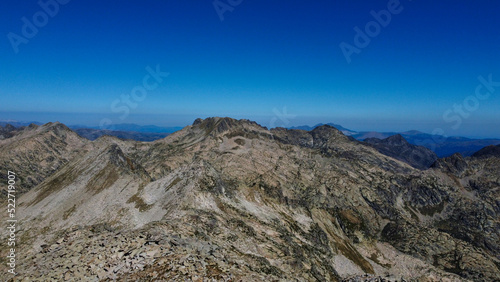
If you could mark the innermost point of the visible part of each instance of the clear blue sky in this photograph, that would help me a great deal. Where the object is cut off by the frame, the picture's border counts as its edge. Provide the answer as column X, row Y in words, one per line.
column 264, row 56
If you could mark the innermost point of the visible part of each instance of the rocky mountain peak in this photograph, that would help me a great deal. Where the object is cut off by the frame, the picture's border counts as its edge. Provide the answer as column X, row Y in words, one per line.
column 222, row 124
column 454, row 164
column 9, row 127
column 489, row 151
column 216, row 126
column 119, row 161
column 396, row 140
column 32, row 126
column 326, row 130
column 8, row 131
column 197, row 121
column 397, row 147
column 56, row 127
column 297, row 137
column 319, row 137
column 37, row 152
column 116, row 155
column 327, row 133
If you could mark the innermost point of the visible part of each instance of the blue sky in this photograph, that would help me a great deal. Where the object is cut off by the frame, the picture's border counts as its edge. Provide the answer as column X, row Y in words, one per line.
column 265, row 58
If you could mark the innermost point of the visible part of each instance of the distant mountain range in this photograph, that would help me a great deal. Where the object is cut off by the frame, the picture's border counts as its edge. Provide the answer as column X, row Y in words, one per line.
column 133, row 127
column 126, row 131
column 123, row 131
column 442, row 146
column 93, row 134
column 397, row 147
column 344, row 130
column 115, row 127
column 18, row 123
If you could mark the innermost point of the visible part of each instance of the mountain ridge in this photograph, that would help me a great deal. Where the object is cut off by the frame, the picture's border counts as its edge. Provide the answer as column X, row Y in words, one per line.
column 275, row 204
column 442, row 146
column 262, row 204
column 36, row 152
column 397, row 147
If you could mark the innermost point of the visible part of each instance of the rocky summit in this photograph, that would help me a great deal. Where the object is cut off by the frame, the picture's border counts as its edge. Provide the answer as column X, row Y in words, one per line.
column 230, row 200
column 397, row 147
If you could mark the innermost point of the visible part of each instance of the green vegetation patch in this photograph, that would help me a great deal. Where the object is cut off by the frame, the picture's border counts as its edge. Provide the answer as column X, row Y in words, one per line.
column 173, row 183
column 56, row 183
column 103, row 180
column 68, row 212
column 139, row 203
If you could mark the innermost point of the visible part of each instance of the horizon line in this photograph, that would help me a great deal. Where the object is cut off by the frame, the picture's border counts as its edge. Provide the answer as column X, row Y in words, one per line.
column 180, row 127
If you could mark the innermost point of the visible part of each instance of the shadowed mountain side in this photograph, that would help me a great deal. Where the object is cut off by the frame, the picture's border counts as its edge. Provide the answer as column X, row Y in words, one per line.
column 454, row 164
column 489, row 151
column 397, row 147
column 36, row 152
column 442, row 146
column 8, row 131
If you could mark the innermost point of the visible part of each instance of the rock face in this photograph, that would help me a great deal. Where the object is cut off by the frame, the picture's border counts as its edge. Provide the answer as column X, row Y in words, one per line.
column 397, row 147
column 35, row 152
column 489, row 151
column 8, row 131
column 454, row 164
column 229, row 200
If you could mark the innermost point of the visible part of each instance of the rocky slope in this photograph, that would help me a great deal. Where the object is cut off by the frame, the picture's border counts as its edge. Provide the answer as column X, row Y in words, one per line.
column 8, row 131
column 229, row 200
column 35, row 152
column 397, row 147
column 487, row 152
